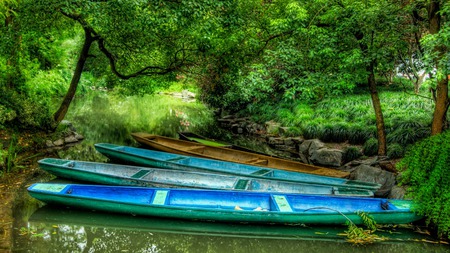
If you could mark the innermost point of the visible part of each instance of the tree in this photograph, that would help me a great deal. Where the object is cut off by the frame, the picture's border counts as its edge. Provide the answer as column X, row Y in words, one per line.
column 139, row 38
column 372, row 28
column 438, row 52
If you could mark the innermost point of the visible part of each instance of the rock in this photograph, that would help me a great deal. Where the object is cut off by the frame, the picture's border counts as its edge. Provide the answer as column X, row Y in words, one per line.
column 397, row 192
column 49, row 144
column 283, row 130
column 274, row 140
column 228, row 117
column 236, row 129
column 272, row 127
column 327, row 157
column 372, row 174
column 297, row 140
column 188, row 94
column 304, row 158
column 70, row 139
column 289, row 142
column 309, row 146
column 59, row 142
column 68, row 124
column 79, row 136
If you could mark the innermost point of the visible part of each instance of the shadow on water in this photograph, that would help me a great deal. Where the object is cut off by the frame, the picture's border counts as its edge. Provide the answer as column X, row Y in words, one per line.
column 41, row 228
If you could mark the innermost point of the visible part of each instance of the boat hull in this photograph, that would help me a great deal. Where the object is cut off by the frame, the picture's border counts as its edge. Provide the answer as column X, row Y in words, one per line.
column 150, row 158
column 113, row 174
column 188, row 148
column 225, row 206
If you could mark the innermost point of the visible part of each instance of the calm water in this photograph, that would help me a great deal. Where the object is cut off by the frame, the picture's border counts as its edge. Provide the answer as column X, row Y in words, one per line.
column 41, row 228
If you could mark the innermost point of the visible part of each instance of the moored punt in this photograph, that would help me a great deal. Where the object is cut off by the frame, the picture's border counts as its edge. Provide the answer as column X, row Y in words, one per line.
column 114, row 174
column 182, row 147
column 225, row 206
column 193, row 137
column 189, row 136
column 151, row 158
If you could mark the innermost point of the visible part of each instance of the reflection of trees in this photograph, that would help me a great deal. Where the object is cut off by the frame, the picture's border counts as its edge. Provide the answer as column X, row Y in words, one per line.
column 76, row 238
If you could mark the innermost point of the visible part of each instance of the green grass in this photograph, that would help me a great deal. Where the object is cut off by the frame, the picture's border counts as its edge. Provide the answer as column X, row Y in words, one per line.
column 103, row 117
column 351, row 118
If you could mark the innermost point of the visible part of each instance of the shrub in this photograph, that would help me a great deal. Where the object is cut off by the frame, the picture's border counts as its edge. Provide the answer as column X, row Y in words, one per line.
column 395, row 150
column 351, row 153
column 408, row 133
column 370, row 147
column 425, row 170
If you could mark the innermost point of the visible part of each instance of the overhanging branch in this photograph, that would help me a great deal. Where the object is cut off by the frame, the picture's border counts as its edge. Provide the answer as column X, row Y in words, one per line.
column 149, row 70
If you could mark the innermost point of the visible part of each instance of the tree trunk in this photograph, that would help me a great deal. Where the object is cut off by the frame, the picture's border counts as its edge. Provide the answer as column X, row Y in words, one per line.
column 381, row 134
column 441, row 107
column 61, row 113
column 442, row 99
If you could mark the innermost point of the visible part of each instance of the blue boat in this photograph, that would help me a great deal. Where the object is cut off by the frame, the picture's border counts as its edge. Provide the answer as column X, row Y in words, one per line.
column 225, row 206
column 114, row 174
column 151, row 158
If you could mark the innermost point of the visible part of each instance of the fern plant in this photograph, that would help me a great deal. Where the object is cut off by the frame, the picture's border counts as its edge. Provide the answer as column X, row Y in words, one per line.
column 426, row 170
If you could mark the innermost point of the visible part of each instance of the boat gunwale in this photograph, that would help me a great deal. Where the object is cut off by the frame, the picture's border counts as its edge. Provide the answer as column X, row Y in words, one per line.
column 235, row 178
column 120, row 149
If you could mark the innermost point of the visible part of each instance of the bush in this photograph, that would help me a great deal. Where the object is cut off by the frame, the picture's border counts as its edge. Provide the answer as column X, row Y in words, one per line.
column 24, row 112
column 395, row 150
column 370, row 147
column 351, row 153
column 425, row 170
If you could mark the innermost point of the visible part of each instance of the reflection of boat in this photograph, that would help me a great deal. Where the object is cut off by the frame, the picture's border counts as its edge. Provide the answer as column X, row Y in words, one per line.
column 51, row 215
column 114, row 174
column 64, row 216
column 225, row 206
column 146, row 157
column 181, row 147
column 193, row 137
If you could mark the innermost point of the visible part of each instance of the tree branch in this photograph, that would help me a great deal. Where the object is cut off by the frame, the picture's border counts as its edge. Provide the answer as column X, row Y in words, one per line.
column 149, row 70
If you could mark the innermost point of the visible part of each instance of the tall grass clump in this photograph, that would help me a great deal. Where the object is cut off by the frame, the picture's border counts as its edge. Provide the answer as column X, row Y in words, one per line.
column 370, row 147
column 426, row 172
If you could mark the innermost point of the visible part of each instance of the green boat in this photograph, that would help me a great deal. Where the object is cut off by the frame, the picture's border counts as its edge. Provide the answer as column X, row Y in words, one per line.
column 114, row 174
column 225, row 206
column 151, row 158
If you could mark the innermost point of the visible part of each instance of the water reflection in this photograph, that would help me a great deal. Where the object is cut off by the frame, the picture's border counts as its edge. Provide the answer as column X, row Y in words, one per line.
column 55, row 229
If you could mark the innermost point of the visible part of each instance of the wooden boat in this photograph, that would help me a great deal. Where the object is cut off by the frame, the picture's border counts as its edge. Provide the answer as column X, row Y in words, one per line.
column 225, row 206
column 152, row 158
column 113, row 174
column 181, row 147
column 190, row 136
column 193, row 137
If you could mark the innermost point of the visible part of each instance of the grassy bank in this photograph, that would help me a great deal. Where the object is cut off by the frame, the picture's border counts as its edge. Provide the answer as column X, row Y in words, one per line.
column 351, row 119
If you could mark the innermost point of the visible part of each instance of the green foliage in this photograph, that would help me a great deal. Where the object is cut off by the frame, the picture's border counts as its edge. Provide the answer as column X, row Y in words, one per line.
column 351, row 153
column 23, row 112
column 10, row 160
column 370, row 147
column 395, row 150
column 358, row 235
column 158, row 114
column 425, row 171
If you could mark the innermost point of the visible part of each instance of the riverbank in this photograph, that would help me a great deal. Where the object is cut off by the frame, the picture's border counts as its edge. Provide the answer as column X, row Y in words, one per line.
column 24, row 171
column 10, row 184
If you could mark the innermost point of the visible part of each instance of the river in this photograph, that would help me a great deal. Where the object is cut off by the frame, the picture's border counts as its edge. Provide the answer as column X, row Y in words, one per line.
column 40, row 228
